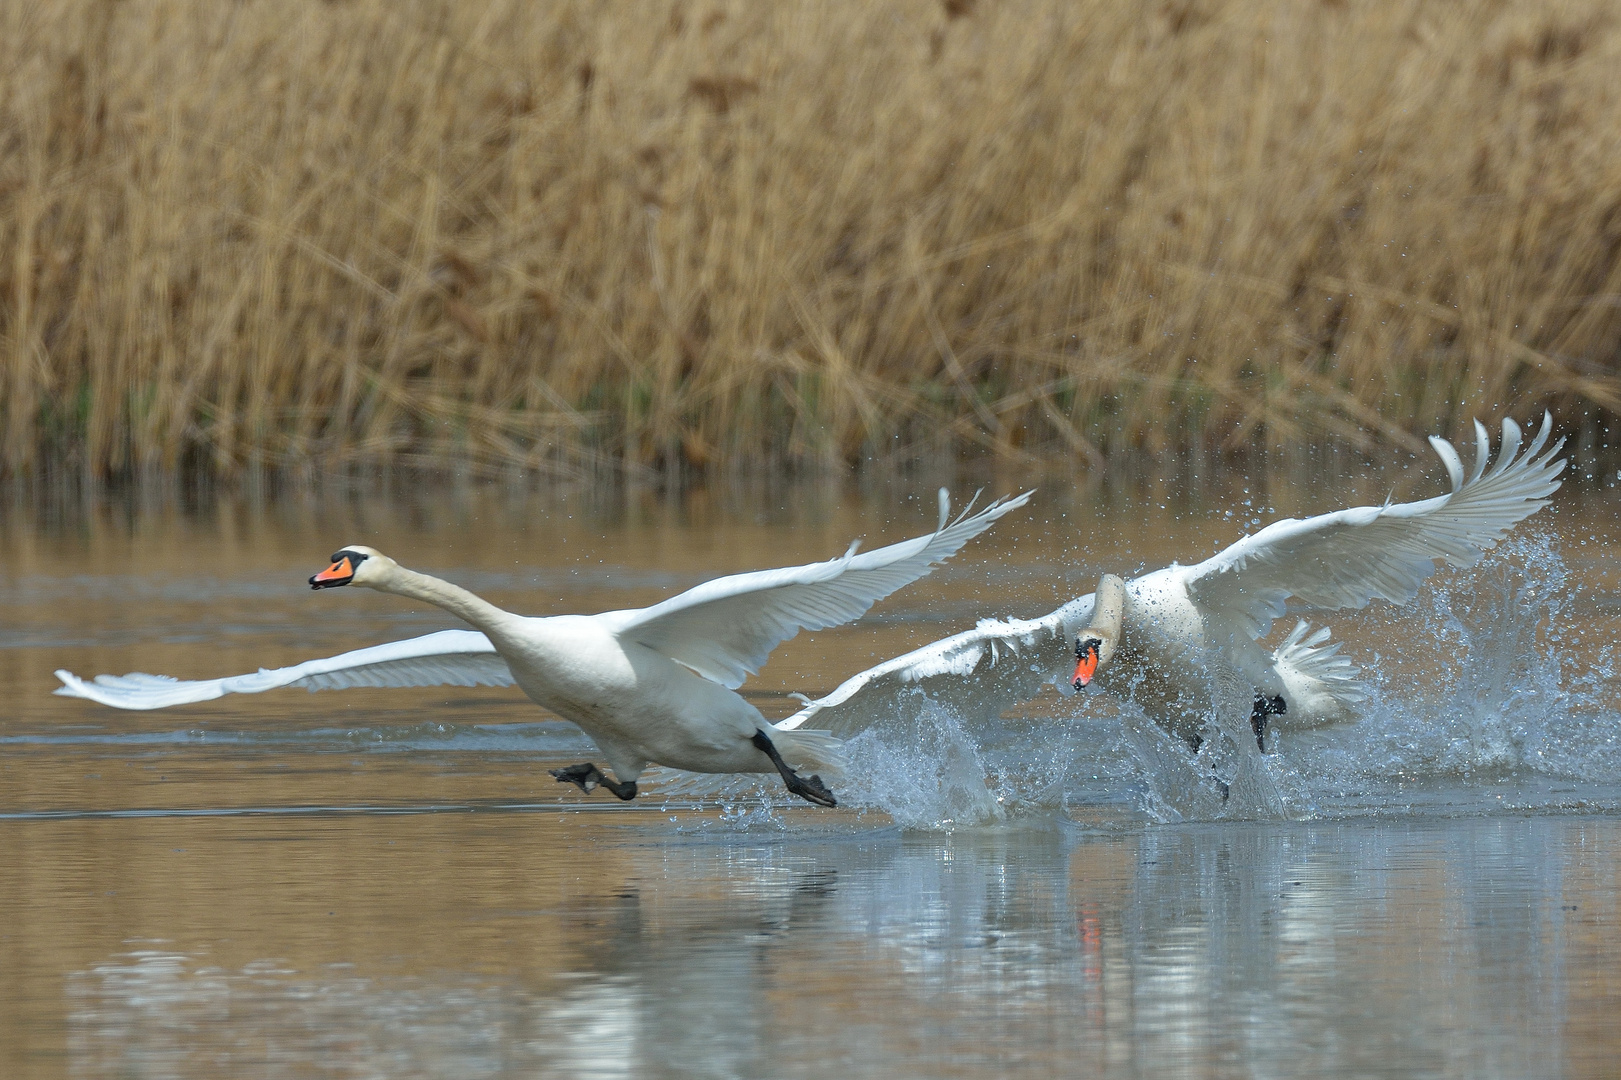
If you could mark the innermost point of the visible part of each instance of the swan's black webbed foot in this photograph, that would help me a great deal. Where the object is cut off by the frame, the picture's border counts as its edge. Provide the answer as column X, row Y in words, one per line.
column 1265, row 707
column 588, row 776
column 809, row 788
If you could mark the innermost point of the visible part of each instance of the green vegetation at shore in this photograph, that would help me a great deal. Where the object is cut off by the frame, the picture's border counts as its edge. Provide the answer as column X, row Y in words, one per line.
column 563, row 235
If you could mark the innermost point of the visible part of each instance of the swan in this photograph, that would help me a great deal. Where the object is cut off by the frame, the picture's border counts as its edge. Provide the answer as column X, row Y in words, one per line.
column 648, row 685
column 1183, row 639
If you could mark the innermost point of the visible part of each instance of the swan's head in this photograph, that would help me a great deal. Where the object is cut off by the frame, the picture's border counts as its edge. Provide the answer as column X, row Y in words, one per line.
column 1095, row 645
column 1088, row 655
column 356, row 564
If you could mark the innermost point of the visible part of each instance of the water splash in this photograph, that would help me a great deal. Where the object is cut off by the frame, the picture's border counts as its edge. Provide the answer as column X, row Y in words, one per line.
column 1502, row 677
column 953, row 785
column 1496, row 693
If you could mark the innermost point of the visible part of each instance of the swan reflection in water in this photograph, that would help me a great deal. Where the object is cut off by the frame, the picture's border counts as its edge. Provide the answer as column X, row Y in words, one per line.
column 1320, row 949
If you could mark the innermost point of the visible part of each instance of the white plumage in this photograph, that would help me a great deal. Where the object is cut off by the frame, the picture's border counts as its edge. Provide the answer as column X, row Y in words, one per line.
column 648, row 685
column 1186, row 628
column 447, row 658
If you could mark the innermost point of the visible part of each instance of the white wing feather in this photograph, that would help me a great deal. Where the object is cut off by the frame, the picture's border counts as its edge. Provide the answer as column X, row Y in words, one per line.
column 980, row 672
column 724, row 629
column 1349, row 557
column 447, row 658
column 1319, row 684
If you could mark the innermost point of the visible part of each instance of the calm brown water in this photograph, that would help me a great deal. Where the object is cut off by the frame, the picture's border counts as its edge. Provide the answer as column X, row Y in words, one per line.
column 387, row 883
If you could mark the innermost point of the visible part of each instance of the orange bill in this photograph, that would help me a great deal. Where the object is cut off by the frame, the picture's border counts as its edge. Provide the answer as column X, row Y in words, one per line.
column 338, row 571
column 1086, row 667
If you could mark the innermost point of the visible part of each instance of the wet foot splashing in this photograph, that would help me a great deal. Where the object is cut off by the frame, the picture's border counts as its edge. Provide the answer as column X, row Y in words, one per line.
column 809, row 788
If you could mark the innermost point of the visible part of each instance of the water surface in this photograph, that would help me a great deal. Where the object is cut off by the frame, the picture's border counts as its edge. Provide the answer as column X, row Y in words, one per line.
column 387, row 883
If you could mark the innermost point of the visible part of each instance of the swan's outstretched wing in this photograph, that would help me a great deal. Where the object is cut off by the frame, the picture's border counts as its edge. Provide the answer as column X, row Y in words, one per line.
column 1347, row 558
column 724, row 629
column 447, row 658
column 979, row 673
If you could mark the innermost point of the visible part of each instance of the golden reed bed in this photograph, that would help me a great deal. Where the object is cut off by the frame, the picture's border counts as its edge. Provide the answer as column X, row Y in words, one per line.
column 546, row 234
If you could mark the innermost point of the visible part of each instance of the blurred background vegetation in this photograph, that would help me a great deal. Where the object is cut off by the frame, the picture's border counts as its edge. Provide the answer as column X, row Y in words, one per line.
column 559, row 237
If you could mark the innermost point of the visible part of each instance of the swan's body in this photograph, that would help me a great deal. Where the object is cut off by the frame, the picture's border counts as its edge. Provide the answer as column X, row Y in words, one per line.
column 1187, row 637
column 647, row 685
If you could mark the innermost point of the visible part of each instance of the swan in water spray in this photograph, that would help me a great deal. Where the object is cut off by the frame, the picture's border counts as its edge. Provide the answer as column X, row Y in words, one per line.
column 1183, row 641
column 647, row 685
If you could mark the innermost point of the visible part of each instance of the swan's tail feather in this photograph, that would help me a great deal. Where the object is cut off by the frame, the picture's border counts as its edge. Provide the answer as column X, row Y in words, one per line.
column 810, row 751
column 1320, row 684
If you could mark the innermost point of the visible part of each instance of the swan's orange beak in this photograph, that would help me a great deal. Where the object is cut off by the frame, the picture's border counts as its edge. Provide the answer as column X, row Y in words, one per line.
column 339, row 573
column 1086, row 663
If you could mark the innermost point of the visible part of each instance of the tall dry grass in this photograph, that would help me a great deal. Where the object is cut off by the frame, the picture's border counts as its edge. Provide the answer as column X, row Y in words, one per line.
column 711, row 232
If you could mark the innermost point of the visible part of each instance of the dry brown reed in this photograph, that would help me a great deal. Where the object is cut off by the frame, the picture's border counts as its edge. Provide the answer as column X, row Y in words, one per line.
column 807, row 233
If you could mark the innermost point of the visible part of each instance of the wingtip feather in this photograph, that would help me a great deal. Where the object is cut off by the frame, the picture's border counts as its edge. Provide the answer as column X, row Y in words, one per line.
column 72, row 685
column 1483, row 451
column 1449, row 457
column 1509, row 449
column 969, row 508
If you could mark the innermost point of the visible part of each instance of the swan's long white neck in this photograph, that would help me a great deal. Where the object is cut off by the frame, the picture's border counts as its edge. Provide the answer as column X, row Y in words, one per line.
column 475, row 610
column 1108, row 613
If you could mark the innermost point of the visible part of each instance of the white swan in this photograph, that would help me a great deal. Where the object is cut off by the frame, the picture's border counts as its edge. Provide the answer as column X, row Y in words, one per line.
column 647, row 684
column 1182, row 638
